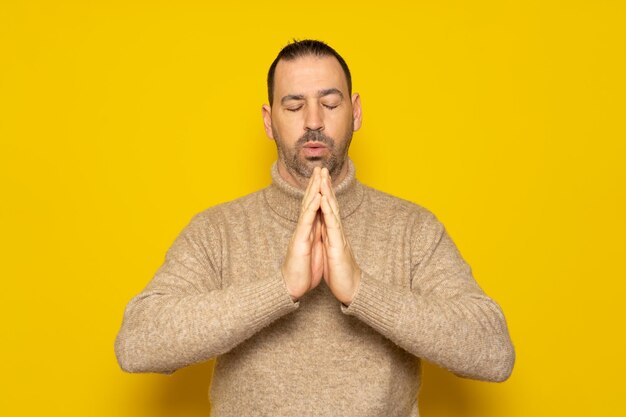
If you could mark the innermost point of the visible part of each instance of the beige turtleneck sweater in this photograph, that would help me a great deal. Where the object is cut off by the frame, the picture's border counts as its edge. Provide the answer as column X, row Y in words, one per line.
column 220, row 293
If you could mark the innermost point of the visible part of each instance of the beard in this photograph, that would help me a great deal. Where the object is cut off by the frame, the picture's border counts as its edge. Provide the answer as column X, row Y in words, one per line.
column 302, row 166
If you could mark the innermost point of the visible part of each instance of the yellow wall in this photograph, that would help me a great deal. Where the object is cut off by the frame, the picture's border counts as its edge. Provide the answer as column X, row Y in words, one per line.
column 119, row 120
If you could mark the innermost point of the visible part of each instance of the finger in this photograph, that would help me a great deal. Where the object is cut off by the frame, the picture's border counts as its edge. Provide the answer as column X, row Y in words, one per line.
column 325, row 173
column 326, row 189
column 326, row 273
column 307, row 218
column 315, row 180
column 311, row 179
column 318, row 226
column 333, row 226
column 317, row 262
column 310, row 194
column 312, row 188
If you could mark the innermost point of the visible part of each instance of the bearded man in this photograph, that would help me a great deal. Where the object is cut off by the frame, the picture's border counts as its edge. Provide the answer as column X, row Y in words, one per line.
column 317, row 295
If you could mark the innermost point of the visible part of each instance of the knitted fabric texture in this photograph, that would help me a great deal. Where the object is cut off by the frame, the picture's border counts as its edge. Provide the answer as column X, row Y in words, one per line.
column 220, row 293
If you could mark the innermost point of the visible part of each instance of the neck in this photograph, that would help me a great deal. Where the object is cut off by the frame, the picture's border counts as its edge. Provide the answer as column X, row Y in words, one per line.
column 302, row 182
column 285, row 198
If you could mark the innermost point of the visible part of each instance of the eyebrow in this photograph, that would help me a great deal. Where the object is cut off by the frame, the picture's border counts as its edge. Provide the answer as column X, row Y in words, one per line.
column 329, row 91
column 320, row 94
column 291, row 97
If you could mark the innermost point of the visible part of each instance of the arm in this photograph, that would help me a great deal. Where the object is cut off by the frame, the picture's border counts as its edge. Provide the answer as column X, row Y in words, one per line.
column 185, row 315
column 444, row 317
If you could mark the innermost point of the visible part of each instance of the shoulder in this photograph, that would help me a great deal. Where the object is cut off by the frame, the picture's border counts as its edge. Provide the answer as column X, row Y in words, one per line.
column 207, row 230
column 212, row 224
column 396, row 215
column 391, row 206
column 415, row 222
column 230, row 210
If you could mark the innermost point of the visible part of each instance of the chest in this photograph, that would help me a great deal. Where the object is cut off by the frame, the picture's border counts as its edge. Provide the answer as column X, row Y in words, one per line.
column 253, row 249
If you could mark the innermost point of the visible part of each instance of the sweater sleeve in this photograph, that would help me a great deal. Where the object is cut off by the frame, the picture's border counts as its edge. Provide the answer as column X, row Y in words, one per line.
column 185, row 316
column 444, row 317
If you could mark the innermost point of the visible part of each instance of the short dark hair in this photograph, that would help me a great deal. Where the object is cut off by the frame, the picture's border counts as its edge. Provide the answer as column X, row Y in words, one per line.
column 298, row 49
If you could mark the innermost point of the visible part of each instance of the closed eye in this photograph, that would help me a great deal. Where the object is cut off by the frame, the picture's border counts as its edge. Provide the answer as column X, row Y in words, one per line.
column 331, row 107
column 293, row 109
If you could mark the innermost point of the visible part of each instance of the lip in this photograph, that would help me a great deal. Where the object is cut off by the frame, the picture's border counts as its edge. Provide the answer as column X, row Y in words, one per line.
column 314, row 145
column 314, row 149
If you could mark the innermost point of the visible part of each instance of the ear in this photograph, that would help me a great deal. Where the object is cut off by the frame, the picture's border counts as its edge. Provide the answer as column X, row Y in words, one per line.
column 357, row 115
column 267, row 120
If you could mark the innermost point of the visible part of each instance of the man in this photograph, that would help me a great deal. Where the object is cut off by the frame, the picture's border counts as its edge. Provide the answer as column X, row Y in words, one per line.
column 318, row 295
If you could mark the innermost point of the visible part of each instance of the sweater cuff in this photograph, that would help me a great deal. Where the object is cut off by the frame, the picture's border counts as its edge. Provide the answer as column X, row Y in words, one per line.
column 377, row 304
column 265, row 301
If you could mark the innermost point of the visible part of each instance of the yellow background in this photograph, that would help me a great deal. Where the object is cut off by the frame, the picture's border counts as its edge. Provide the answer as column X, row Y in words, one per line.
column 119, row 120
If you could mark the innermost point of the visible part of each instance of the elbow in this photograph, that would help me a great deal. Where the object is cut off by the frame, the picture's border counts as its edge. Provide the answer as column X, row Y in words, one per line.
column 499, row 362
column 506, row 364
column 133, row 359
column 125, row 358
column 501, row 371
column 134, row 346
column 498, row 355
column 493, row 363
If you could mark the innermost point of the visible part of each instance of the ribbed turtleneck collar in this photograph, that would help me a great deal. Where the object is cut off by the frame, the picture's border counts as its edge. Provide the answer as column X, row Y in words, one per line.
column 285, row 199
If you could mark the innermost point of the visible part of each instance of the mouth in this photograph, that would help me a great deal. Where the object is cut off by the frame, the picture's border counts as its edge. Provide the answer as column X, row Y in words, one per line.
column 314, row 145
column 314, row 149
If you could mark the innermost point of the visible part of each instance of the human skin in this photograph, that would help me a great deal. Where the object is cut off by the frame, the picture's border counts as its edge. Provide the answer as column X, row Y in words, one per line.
column 312, row 99
column 318, row 247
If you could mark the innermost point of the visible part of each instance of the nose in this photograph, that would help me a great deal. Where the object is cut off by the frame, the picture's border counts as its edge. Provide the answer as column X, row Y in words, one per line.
column 313, row 118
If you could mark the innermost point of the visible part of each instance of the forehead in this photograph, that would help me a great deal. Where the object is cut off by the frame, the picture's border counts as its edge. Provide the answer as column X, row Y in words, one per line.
column 308, row 75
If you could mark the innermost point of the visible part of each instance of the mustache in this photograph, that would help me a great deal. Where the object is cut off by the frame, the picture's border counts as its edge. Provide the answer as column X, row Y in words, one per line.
column 316, row 136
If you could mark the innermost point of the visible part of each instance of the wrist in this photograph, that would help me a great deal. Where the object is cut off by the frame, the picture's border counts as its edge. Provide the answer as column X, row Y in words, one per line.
column 356, row 282
column 295, row 291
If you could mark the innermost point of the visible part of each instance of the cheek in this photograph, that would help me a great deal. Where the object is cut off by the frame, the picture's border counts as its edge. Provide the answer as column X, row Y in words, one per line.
column 287, row 127
column 342, row 125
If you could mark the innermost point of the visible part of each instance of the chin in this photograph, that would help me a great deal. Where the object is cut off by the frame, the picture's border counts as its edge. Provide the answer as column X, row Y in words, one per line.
column 316, row 161
column 304, row 166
